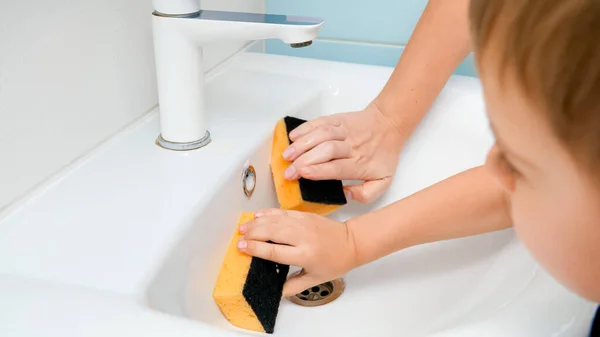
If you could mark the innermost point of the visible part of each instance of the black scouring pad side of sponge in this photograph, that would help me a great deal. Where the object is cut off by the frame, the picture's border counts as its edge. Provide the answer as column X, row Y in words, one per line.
column 263, row 288
column 328, row 192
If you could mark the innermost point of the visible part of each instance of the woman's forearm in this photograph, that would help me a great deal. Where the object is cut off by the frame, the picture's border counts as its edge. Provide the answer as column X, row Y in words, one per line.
column 466, row 204
column 439, row 43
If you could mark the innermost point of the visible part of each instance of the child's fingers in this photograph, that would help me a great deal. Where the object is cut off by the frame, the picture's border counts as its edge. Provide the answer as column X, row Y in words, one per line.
column 272, row 212
column 269, row 212
column 269, row 251
column 272, row 230
column 298, row 283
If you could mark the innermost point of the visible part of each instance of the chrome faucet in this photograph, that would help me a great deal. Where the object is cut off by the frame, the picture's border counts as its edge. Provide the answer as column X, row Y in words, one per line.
column 180, row 29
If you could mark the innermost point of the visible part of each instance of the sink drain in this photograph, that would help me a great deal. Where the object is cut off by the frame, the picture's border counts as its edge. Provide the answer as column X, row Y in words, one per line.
column 319, row 294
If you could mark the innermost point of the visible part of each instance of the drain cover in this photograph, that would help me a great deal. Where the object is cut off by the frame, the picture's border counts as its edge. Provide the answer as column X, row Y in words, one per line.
column 320, row 294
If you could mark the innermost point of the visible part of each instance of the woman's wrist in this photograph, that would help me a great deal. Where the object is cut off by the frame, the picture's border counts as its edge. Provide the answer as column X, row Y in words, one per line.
column 389, row 121
column 400, row 110
column 439, row 43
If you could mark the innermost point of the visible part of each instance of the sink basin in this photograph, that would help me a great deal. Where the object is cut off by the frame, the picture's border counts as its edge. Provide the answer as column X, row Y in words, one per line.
column 131, row 239
column 414, row 292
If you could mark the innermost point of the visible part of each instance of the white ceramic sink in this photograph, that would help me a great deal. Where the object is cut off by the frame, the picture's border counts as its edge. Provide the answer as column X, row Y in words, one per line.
column 130, row 241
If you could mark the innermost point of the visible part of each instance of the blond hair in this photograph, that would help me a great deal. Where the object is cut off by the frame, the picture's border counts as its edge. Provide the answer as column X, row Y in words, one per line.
column 552, row 48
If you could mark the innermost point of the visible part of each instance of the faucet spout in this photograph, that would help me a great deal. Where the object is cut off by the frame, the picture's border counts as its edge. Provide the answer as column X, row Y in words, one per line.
column 178, row 41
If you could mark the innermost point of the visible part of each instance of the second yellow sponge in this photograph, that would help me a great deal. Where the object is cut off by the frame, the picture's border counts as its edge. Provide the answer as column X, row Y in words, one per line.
column 248, row 289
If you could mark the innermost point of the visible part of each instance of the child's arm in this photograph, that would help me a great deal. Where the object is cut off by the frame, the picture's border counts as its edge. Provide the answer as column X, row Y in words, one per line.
column 466, row 204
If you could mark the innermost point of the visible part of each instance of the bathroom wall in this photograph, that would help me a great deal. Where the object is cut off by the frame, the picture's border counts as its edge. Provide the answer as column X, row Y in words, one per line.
column 368, row 32
column 72, row 74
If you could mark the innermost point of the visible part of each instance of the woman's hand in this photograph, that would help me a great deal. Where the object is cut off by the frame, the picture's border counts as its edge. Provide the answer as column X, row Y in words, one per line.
column 362, row 145
column 324, row 248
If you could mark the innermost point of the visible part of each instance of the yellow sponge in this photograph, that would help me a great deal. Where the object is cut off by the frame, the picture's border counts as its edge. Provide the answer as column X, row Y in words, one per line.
column 321, row 197
column 248, row 289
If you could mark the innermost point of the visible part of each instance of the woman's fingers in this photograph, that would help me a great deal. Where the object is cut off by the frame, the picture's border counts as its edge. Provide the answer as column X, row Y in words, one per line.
column 319, row 135
column 312, row 125
column 273, row 252
column 336, row 169
column 369, row 191
column 322, row 153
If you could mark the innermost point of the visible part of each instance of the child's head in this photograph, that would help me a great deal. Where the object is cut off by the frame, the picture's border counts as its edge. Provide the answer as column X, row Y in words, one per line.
column 539, row 62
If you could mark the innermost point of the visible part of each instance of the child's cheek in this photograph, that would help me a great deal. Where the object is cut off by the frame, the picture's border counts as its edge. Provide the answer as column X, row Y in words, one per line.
column 554, row 229
column 535, row 222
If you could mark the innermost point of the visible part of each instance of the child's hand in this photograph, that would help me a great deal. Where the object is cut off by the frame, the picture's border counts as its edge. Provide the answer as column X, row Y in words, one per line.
column 322, row 247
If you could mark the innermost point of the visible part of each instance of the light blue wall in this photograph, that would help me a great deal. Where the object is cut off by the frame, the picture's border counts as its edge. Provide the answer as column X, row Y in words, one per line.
column 365, row 31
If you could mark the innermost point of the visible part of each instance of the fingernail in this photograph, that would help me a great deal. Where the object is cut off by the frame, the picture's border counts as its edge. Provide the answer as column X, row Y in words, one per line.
column 348, row 195
column 290, row 172
column 287, row 154
column 242, row 244
column 259, row 214
column 242, row 228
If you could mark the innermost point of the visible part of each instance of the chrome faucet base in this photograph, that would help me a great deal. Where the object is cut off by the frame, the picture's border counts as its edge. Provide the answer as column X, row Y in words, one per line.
column 188, row 146
column 180, row 16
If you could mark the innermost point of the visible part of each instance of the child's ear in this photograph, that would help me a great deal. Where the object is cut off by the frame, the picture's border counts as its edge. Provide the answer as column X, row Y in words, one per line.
column 500, row 169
